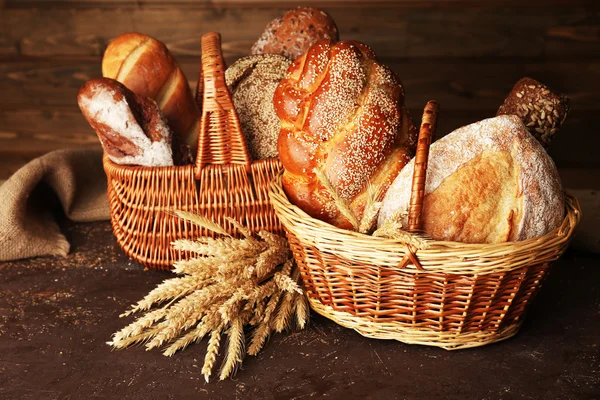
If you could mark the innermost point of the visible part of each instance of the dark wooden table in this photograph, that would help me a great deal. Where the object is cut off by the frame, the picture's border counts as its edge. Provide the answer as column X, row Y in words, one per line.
column 58, row 313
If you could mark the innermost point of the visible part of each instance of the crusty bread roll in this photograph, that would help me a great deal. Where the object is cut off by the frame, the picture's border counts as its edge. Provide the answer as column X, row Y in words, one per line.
column 541, row 110
column 131, row 127
column 252, row 82
column 146, row 67
column 488, row 182
column 343, row 113
column 292, row 34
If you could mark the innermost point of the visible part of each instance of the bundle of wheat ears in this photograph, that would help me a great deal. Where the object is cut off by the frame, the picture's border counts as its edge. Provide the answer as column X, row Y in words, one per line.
column 233, row 285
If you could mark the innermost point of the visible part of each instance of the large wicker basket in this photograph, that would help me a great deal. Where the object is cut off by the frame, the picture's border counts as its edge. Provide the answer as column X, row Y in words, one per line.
column 224, row 182
column 451, row 295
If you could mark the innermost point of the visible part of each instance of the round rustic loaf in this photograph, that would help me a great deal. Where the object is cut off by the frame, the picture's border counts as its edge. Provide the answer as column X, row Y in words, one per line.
column 342, row 113
column 252, row 82
column 292, row 34
column 488, row 182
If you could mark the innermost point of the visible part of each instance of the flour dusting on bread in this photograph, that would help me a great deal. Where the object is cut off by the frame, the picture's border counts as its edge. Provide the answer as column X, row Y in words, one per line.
column 540, row 191
column 145, row 140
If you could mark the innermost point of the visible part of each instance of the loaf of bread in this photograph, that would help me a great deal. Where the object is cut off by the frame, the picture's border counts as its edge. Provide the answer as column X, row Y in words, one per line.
column 341, row 113
column 145, row 66
column 131, row 127
column 292, row 34
column 252, row 82
column 487, row 182
column 541, row 110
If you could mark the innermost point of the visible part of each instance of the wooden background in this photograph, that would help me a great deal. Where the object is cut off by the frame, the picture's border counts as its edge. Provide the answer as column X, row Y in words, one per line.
column 465, row 54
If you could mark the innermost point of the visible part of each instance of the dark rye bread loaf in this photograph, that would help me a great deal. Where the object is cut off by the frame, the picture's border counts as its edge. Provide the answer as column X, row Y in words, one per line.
column 293, row 34
column 542, row 111
column 252, row 82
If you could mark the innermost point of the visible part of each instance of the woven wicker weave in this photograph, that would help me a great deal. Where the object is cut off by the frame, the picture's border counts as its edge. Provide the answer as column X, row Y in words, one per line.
column 456, row 296
column 224, row 182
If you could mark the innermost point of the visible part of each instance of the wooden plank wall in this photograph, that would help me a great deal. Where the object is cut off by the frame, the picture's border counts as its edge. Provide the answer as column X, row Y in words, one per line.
column 465, row 54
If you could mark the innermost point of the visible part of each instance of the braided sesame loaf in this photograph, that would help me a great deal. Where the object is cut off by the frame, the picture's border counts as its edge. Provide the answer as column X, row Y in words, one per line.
column 487, row 182
column 343, row 113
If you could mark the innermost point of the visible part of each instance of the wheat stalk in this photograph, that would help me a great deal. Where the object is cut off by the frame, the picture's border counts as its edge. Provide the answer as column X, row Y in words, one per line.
column 232, row 283
column 202, row 221
column 241, row 228
column 168, row 290
column 372, row 207
column 392, row 229
column 210, row 319
column 235, row 350
column 301, row 311
column 211, row 352
column 341, row 203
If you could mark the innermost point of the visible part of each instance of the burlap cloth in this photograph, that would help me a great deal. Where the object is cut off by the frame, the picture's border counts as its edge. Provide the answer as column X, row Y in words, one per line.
column 28, row 224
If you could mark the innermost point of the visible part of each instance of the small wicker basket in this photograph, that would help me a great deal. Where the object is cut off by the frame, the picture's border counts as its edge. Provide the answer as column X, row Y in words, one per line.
column 453, row 295
column 224, row 182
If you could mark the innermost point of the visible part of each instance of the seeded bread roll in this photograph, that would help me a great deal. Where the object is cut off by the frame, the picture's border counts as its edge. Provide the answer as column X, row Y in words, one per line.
column 252, row 82
column 292, row 34
column 541, row 110
column 341, row 113
column 146, row 67
column 488, row 182
column 131, row 127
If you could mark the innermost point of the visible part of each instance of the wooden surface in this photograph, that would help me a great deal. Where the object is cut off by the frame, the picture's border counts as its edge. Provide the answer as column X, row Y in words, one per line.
column 465, row 54
column 57, row 313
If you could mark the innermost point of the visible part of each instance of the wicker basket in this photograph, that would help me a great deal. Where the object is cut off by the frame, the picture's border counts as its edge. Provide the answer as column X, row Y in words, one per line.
column 224, row 182
column 452, row 295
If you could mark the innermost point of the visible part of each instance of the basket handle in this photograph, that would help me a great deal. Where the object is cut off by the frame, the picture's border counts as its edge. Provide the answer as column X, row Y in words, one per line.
column 426, row 133
column 220, row 139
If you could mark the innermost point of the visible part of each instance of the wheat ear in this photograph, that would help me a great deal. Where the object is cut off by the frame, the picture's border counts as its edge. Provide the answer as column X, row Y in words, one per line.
column 211, row 352
column 302, row 312
column 201, row 221
column 341, row 203
column 235, row 350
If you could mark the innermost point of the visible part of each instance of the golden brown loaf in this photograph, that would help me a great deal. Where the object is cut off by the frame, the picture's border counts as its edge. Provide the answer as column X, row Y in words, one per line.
column 488, row 182
column 131, row 127
column 541, row 110
column 146, row 67
column 342, row 113
column 252, row 82
column 292, row 34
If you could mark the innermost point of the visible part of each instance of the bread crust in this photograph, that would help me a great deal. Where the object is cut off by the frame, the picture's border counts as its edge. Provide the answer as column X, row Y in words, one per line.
column 539, row 108
column 146, row 67
column 252, row 82
column 130, row 127
column 487, row 182
column 294, row 33
column 343, row 113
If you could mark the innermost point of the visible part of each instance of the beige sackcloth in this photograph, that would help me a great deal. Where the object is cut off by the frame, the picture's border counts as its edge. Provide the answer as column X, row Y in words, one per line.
column 28, row 227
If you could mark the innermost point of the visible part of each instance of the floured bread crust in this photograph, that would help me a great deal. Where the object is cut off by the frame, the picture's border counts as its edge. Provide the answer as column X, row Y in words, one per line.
column 487, row 182
column 131, row 128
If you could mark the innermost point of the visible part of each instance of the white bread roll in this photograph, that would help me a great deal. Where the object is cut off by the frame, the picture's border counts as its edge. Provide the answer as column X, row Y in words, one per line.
column 488, row 182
